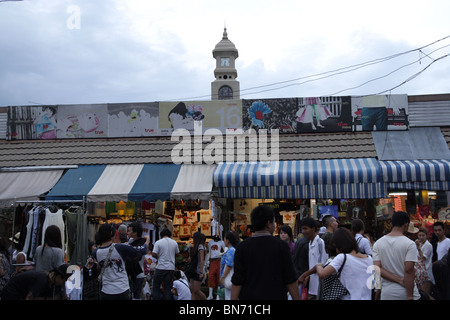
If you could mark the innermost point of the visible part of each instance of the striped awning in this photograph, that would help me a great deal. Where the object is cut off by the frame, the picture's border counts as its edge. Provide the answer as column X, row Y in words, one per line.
column 416, row 174
column 27, row 186
column 302, row 179
column 135, row 182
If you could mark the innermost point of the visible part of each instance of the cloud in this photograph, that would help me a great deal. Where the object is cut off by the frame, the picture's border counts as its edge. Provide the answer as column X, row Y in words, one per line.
column 135, row 50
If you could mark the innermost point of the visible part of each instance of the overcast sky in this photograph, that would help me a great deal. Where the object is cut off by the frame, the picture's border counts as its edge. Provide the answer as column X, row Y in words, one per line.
column 110, row 51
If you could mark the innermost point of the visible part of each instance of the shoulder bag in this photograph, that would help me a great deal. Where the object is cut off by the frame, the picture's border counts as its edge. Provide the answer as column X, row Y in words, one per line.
column 332, row 288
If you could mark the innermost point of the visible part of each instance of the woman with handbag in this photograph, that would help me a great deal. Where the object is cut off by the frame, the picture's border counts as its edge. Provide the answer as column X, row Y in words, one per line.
column 354, row 270
column 227, row 262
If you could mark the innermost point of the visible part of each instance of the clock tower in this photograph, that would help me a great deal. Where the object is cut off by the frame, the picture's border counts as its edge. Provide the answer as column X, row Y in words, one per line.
column 225, row 86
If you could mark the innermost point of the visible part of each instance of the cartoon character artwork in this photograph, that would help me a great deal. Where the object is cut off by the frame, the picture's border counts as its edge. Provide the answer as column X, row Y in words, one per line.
column 132, row 123
column 313, row 109
column 182, row 117
column 74, row 126
column 46, row 123
column 256, row 113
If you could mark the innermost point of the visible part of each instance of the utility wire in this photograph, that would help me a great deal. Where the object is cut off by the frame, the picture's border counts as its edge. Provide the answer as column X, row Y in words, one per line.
column 391, row 72
column 415, row 75
column 327, row 74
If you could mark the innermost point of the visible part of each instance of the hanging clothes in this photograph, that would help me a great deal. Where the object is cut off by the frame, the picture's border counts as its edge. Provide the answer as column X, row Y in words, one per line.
column 54, row 218
column 77, row 238
column 35, row 234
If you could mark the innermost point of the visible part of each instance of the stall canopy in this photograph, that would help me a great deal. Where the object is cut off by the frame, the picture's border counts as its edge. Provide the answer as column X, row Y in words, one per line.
column 302, row 179
column 194, row 181
column 76, row 183
column 139, row 182
column 28, row 185
column 155, row 182
column 416, row 174
column 115, row 183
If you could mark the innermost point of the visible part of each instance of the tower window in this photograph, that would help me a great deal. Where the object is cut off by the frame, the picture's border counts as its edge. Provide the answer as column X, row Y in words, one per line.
column 225, row 93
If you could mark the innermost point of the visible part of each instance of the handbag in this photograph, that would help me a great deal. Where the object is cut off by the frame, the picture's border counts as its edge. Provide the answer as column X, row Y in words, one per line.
column 332, row 288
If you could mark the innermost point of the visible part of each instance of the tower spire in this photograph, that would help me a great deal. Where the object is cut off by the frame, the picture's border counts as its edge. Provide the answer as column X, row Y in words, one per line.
column 225, row 34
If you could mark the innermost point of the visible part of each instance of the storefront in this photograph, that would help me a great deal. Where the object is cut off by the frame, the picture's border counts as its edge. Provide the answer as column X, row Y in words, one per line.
column 178, row 197
column 419, row 187
column 344, row 188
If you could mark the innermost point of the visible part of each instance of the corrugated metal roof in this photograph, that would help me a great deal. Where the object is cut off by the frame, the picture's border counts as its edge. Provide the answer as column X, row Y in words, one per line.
column 158, row 150
column 429, row 113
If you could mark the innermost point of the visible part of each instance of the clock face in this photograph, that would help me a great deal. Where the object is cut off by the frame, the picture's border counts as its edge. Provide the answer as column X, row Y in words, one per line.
column 224, row 62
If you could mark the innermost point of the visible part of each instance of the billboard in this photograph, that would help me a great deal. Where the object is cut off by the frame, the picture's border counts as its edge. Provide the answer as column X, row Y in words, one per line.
column 133, row 119
column 287, row 115
column 31, row 122
column 380, row 112
column 297, row 115
column 82, row 121
column 218, row 114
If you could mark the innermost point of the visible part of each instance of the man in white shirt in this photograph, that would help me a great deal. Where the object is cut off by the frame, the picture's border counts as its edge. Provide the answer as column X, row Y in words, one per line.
column 443, row 242
column 317, row 254
column 363, row 242
column 165, row 251
column 395, row 255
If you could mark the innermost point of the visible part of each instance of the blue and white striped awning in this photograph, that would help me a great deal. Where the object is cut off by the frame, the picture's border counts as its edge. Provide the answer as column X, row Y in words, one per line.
column 135, row 182
column 416, row 174
column 301, row 179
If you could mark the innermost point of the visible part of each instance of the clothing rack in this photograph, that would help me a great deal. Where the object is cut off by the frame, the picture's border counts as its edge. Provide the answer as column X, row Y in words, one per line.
column 41, row 201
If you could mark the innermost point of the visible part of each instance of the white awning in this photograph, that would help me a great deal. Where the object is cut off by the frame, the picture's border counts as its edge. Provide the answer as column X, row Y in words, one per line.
column 194, row 181
column 115, row 183
column 27, row 186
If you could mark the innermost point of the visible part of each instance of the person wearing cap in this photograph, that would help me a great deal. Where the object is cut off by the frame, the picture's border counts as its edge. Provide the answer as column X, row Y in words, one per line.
column 37, row 285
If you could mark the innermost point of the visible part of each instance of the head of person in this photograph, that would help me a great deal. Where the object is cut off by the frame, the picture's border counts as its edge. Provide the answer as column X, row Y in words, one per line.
column 232, row 238
column 422, row 235
column 123, row 233
column 286, row 233
column 400, row 220
column 262, row 218
column 330, row 222
column 59, row 275
column 176, row 275
column 165, row 233
column 344, row 241
column 309, row 227
column 135, row 230
column 52, row 236
column 438, row 229
column 198, row 239
column 357, row 226
column 105, row 233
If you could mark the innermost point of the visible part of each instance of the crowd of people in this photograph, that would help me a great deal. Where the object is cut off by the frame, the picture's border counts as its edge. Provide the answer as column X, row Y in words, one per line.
column 324, row 262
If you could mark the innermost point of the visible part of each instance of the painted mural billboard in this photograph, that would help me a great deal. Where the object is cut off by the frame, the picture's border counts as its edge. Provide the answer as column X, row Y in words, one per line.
column 218, row 114
column 296, row 115
column 31, row 122
column 133, row 119
column 82, row 121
